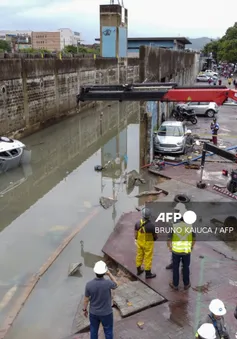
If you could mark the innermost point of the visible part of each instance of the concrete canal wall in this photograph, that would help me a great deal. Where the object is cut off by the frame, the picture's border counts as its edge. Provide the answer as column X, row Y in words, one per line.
column 163, row 65
column 35, row 92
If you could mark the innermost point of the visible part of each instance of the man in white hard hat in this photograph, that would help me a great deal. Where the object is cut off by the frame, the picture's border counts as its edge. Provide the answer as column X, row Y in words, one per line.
column 206, row 331
column 189, row 142
column 216, row 318
column 181, row 242
column 98, row 294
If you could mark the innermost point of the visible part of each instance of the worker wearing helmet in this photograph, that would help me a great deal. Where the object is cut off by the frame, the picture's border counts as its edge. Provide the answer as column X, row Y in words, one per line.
column 180, row 242
column 216, row 318
column 206, row 331
column 189, row 142
column 98, row 297
column 170, row 266
column 145, row 236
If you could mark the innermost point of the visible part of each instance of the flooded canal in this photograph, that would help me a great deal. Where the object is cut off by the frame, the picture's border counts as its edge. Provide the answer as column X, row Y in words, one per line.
column 42, row 203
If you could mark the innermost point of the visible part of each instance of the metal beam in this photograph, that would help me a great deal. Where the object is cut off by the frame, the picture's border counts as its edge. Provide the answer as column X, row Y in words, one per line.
column 218, row 151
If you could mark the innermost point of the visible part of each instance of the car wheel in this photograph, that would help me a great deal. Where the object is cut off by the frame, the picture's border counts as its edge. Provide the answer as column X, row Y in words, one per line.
column 210, row 113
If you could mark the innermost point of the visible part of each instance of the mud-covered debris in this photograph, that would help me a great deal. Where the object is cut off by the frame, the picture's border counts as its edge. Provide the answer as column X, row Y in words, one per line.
column 140, row 324
column 133, row 178
column 147, row 193
column 107, row 202
column 73, row 268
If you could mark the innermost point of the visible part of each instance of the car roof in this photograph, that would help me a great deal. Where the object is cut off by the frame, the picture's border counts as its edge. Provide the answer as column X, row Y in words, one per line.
column 172, row 123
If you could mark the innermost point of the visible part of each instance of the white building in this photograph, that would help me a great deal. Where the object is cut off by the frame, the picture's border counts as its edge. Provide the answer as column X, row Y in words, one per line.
column 68, row 37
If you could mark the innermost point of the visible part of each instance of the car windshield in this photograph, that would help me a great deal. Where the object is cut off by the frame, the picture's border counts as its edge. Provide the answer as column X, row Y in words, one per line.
column 170, row 131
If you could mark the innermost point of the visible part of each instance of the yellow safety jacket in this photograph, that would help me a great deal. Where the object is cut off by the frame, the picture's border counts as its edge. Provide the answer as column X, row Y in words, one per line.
column 142, row 236
column 182, row 238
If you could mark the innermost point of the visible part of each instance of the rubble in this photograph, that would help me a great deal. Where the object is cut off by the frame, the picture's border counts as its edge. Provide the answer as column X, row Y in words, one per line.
column 147, row 193
column 73, row 268
column 132, row 179
column 107, row 202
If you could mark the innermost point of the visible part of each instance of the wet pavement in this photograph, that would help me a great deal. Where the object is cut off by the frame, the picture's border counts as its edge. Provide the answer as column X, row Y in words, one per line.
column 213, row 275
column 227, row 119
column 56, row 195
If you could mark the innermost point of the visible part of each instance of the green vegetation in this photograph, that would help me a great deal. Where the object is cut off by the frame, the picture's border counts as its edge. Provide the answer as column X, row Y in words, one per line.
column 5, row 46
column 225, row 48
column 32, row 50
column 81, row 49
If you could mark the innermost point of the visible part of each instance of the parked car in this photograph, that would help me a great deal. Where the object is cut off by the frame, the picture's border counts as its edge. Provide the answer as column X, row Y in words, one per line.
column 202, row 78
column 208, row 109
column 211, row 73
column 170, row 138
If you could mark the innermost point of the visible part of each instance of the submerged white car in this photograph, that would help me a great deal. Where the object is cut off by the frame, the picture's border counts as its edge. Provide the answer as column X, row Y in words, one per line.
column 11, row 152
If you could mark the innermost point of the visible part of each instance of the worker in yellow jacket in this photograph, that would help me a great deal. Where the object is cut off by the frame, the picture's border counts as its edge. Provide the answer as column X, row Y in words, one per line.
column 145, row 236
column 181, row 242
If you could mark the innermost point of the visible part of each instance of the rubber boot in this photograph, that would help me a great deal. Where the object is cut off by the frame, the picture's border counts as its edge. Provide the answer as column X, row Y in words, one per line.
column 150, row 275
column 139, row 270
column 170, row 266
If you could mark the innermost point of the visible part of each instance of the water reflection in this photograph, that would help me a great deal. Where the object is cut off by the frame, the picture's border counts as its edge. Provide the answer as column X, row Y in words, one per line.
column 89, row 258
column 60, row 149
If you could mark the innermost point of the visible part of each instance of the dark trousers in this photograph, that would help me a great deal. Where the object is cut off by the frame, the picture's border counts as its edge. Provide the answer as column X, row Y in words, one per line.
column 107, row 322
column 177, row 258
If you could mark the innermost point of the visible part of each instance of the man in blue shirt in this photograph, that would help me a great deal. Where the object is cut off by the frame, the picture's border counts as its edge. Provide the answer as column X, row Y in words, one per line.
column 98, row 294
column 214, row 129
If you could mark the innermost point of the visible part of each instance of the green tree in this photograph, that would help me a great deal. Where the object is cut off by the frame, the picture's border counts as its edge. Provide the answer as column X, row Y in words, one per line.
column 212, row 47
column 80, row 49
column 5, row 46
column 224, row 49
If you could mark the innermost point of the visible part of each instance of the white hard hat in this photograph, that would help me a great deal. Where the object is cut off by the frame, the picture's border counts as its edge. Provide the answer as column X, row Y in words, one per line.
column 181, row 208
column 207, row 331
column 189, row 131
column 100, row 267
column 217, row 307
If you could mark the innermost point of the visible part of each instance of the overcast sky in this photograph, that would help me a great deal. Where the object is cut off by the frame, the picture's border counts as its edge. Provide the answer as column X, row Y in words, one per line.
column 200, row 18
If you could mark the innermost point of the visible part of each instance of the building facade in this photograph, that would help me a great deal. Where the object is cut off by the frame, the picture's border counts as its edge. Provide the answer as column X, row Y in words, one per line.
column 51, row 41
column 134, row 44
column 69, row 38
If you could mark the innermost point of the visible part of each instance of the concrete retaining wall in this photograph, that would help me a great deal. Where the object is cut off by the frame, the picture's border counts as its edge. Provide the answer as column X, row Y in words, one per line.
column 36, row 92
column 163, row 65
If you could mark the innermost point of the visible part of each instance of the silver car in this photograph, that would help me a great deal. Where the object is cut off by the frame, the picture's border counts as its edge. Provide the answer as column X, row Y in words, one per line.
column 170, row 138
column 202, row 78
column 209, row 109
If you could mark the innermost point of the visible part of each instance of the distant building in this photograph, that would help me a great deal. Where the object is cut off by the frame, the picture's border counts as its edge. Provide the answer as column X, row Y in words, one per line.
column 134, row 44
column 69, row 38
column 175, row 43
column 55, row 41
column 20, row 39
column 51, row 41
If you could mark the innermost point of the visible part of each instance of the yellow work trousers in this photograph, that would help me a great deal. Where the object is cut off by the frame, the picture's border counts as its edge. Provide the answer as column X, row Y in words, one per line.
column 144, row 254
